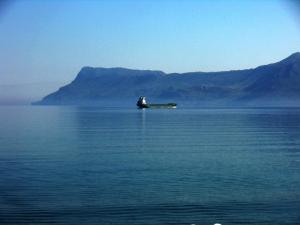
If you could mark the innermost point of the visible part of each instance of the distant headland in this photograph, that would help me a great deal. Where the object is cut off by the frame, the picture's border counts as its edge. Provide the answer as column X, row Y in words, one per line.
column 276, row 84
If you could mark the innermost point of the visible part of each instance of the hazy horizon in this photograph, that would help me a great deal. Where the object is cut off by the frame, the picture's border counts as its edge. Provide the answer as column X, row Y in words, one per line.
column 45, row 43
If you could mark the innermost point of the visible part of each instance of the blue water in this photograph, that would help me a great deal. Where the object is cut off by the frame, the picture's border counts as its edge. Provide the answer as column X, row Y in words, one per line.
column 76, row 165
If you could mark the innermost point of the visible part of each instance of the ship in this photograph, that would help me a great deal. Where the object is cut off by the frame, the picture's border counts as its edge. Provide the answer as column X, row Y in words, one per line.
column 142, row 104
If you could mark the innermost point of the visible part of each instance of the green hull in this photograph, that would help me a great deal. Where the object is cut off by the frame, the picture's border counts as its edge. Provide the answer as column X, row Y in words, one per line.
column 160, row 106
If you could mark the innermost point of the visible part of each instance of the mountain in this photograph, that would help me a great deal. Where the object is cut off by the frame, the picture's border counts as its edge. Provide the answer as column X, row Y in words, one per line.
column 269, row 85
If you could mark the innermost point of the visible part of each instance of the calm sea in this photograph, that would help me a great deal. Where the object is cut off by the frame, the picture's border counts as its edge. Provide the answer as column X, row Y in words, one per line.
column 88, row 166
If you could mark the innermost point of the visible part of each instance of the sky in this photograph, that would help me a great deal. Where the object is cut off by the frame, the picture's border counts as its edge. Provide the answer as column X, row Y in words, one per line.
column 44, row 44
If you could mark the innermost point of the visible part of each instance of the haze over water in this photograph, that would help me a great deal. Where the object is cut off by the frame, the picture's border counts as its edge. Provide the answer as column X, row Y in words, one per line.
column 76, row 165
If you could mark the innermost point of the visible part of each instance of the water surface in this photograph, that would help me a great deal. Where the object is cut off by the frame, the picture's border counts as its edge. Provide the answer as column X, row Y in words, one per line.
column 81, row 165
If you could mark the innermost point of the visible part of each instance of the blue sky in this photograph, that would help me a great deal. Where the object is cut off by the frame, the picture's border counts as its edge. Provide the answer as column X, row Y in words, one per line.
column 45, row 43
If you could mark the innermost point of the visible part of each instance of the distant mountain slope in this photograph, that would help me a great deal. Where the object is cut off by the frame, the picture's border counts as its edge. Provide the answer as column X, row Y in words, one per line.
column 273, row 84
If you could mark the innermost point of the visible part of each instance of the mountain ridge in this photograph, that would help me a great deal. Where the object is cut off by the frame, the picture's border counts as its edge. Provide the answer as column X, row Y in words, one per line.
column 276, row 82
